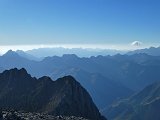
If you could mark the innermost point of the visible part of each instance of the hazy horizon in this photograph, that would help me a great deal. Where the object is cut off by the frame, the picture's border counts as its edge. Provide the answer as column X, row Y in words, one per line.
column 129, row 47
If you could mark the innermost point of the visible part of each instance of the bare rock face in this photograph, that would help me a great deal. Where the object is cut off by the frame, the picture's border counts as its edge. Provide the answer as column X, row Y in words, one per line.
column 65, row 96
column 19, row 115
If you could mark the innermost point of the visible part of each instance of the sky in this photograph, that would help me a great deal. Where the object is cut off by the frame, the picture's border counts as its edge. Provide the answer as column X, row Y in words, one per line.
column 118, row 23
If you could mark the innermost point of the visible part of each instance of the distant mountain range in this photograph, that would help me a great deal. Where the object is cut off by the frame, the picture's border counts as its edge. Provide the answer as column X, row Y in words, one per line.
column 154, row 51
column 28, row 56
column 40, row 53
column 99, row 75
column 65, row 96
column 144, row 105
column 81, row 52
column 80, row 68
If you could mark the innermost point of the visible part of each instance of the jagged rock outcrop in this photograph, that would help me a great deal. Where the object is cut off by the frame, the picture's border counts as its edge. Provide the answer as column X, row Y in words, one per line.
column 20, row 115
column 65, row 96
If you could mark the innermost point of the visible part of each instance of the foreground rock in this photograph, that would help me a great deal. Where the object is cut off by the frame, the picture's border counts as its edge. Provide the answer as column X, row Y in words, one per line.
column 65, row 96
column 19, row 115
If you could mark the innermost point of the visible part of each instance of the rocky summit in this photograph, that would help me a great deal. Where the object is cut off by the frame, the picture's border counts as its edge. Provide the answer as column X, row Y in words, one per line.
column 65, row 96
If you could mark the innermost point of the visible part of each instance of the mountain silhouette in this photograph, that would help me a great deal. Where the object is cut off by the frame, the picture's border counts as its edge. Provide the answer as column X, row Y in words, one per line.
column 65, row 96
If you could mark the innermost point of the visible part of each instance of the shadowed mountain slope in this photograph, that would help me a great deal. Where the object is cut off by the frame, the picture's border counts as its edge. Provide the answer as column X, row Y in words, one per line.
column 144, row 105
column 65, row 96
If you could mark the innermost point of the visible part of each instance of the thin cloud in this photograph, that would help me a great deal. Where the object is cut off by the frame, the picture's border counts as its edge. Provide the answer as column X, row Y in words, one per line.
column 136, row 43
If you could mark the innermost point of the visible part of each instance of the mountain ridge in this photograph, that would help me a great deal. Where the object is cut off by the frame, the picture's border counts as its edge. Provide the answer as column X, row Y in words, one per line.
column 154, row 51
column 143, row 105
column 56, row 67
column 65, row 96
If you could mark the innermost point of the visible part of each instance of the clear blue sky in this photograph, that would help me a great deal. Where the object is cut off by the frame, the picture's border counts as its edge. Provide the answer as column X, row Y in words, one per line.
column 79, row 21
